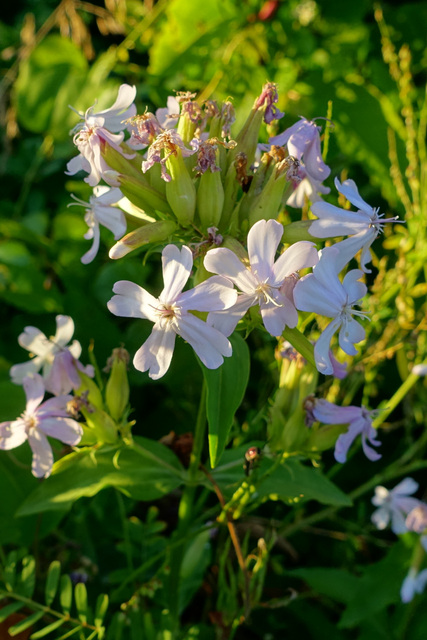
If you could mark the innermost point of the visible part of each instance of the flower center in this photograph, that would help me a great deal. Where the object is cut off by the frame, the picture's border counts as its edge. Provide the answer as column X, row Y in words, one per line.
column 167, row 312
column 30, row 420
column 265, row 294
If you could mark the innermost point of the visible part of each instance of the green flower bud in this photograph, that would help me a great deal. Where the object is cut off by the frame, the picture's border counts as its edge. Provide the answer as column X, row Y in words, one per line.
column 180, row 191
column 152, row 232
column 210, row 199
column 142, row 195
column 296, row 231
column 103, row 426
column 90, row 390
column 117, row 389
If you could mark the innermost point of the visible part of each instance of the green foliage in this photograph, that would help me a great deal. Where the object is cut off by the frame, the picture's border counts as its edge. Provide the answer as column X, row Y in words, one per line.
column 226, row 387
column 18, row 583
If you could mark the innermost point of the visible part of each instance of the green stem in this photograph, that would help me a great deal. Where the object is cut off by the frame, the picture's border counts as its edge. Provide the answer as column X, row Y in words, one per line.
column 395, row 399
column 186, row 512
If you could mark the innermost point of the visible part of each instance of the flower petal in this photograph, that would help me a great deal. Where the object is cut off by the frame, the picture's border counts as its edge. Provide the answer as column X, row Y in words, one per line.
column 354, row 288
column 214, row 294
column 19, row 371
column 333, row 221
column 177, row 267
column 322, row 347
column 155, row 355
column 298, row 256
column 92, row 253
column 34, row 390
column 349, row 189
column 263, row 240
column 35, row 341
column 351, row 333
column 42, row 454
column 64, row 330
column 406, row 487
column 310, row 295
column 208, row 343
column 275, row 318
column 226, row 263
column 330, row 413
column 226, row 321
column 64, row 429
column 132, row 301
column 12, row 434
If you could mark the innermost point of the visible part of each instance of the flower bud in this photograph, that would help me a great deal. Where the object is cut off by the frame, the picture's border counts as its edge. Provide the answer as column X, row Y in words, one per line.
column 103, row 426
column 90, row 390
column 142, row 195
column 117, row 389
column 152, row 232
column 296, row 231
column 180, row 191
column 210, row 199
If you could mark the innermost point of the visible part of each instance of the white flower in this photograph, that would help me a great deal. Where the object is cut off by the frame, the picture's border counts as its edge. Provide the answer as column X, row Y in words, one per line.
column 91, row 135
column 263, row 282
column 322, row 292
column 61, row 376
column 363, row 226
column 394, row 505
column 171, row 315
column 99, row 211
column 38, row 421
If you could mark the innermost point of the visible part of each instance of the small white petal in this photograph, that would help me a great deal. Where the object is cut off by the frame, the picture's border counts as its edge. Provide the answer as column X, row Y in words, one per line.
column 12, row 434
column 42, row 454
column 224, row 262
column 34, row 390
column 155, row 355
column 133, row 301
column 349, row 189
column 209, row 344
column 298, row 256
column 310, row 295
column 35, row 341
column 351, row 333
column 263, row 240
column 322, row 348
column 64, row 330
column 64, row 429
column 177, row 267
column 214, row 294
column 226, row 321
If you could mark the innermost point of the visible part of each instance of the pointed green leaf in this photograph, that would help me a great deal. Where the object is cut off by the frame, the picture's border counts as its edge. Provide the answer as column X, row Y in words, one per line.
column 28, row 576
column 300, row 343
column 25, row 624
column 51, row 627
column 7, row 611
column 52, row 581
column 100, row 609
column 226, row 387
column 80, row 596
column 66, row 594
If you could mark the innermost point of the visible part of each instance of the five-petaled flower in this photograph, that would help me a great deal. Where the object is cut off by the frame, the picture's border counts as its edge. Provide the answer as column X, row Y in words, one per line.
column 359, row 421
column 57, row 359
column 171, row 315
column 394, row 505
column 39, row 420
column 323, row 293
column 265, row 281
column 363, row 226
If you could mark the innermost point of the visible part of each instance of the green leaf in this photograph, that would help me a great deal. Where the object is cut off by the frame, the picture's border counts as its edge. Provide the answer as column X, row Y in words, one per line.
column 226, row 387
column 101, row 609
column 80, row 596
column 197, row 558
column 52, row 581
column 7, row 611
column 25, row 624
column 51, row 627
column 338, row 584
column 55, row 62
column 294, row 481
column 144, row 470
column 66, row 594
column 28, row 576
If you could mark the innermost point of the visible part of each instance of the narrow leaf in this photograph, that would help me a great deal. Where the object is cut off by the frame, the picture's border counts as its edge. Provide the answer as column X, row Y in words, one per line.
column 66, row 595
column 300, row 343
column 25, row 624
column 44, row 632
column 28, row 576
column 80, row 595
column 100, row 609
column 226, row 387
column 52, row 581
column 7, row 611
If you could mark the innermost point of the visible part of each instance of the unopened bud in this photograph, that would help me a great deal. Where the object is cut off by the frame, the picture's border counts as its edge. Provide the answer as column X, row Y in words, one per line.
column 117, row 389
column 152, row 232
column 296, row 231
column 180, row 191
column 143, row 195
column 210, row 199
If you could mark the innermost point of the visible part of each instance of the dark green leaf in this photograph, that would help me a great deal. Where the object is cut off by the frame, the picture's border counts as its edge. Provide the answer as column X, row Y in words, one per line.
column 66, row 594
column 28, row 576
column 7, row 611
column 226, row 387
column 100, row 609
column 80, row 596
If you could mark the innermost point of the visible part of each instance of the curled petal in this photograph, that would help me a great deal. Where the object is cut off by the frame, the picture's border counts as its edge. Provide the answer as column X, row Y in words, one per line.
column 349, row 189
column 351, row 333
column 322, row 348
column 355, row 289
column 92, row 253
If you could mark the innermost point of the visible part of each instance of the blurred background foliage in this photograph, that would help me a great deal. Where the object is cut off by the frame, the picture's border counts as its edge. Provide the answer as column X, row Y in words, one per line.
column 56, row 54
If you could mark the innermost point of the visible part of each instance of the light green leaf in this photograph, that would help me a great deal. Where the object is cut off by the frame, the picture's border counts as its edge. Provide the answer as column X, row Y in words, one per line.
column 80, row 596
column 46, row 630
column 226, row 387
column 300, row 343
column 7, row 611
column 52, row 581
column 25, row 624
column 28, row 576
column 100, row 609
column 66, row 594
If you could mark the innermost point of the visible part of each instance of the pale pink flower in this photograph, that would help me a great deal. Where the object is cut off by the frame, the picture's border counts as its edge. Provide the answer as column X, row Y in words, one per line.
column 57, row 359
column 96, row 131
column 394, row 505
column 168, row 116
column 322, row 292
column 264, row 281
column 171, row 314
column 100, row 212
column 359, row 421
column 303, row 142
column 38, row 421
column 364, row 225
